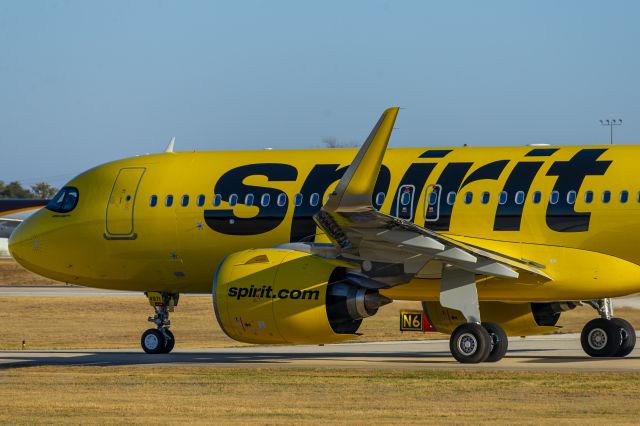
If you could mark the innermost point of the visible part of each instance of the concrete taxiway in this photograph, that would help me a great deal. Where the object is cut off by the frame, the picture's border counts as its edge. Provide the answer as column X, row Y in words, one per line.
column 556, row 352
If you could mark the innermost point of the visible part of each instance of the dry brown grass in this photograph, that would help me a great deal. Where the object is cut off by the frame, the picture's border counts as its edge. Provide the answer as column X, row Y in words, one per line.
column 73, row 395
column 11, row 273
column 118, row 321
column 204, row 395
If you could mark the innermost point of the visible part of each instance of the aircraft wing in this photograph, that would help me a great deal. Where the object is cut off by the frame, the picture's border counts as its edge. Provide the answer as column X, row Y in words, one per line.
column 390, row 250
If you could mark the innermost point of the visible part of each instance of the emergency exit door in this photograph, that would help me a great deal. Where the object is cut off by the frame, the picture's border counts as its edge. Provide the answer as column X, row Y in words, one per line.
column 120, row 208
column 404, row 202
column 432, row 203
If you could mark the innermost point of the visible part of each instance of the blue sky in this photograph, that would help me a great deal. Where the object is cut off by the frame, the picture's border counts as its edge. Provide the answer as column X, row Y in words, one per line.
column 84, row 82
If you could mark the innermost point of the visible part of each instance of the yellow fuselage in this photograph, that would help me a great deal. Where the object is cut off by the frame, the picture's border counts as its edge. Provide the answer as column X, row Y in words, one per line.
column 573, row 211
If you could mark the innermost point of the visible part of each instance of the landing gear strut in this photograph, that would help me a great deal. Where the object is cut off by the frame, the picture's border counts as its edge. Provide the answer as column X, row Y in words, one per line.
column 607, row 336
column 160, row 340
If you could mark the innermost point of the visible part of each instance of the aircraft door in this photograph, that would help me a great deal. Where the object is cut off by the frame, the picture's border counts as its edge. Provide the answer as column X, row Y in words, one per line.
column 404, row 203
column 120, row 208
column 432, row 197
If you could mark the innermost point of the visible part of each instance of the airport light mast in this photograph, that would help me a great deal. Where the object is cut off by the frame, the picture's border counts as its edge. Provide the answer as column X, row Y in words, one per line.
column 612, row 122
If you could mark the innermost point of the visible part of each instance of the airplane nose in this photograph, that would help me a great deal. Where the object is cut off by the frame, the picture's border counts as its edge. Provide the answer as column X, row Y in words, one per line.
column 18, row 241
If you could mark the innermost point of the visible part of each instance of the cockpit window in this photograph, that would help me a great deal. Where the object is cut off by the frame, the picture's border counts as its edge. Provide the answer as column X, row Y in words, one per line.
column 64, row 201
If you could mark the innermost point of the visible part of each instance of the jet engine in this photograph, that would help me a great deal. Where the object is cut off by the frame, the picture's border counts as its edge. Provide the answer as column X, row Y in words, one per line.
column 286, row 296
column 517, row 319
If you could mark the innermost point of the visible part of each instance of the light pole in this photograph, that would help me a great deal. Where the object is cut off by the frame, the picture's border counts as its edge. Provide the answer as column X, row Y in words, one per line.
column 612, row 122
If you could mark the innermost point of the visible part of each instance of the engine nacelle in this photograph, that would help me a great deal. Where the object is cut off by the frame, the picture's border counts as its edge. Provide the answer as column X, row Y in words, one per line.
column 285, row 296
column 517, row 319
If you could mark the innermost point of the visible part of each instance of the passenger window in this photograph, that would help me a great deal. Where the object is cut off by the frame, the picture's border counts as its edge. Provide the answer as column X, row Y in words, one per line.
column 486, row 197
column 624, row 196
column 451, row 198
column 248, row 200
column 217, row 199
column 233, row 199
column 638, row 197
column 606, row 196
column 433, row 198
column 282, row 199
column 184, row 201
column 405, row 198
column 588, row 197
column 537, row 197
column 468, row 197
column 571, row 197
column 153, row 201
column 168, row 201
column 519, row 197
column 555, row 196
column 200, row 200
column 298, row 200
column 315, row 199
column 502, row 198
column 380, row 198
column 265, row 200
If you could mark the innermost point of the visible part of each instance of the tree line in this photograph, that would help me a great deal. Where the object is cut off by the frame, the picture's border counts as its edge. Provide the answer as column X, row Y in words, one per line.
column 16, row 190
column 44, row 190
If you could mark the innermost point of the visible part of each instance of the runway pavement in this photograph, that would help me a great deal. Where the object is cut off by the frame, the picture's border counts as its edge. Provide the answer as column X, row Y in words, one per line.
column 556, row 352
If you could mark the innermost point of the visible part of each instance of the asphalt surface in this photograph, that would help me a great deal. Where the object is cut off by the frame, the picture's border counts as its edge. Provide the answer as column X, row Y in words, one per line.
column 555, row 353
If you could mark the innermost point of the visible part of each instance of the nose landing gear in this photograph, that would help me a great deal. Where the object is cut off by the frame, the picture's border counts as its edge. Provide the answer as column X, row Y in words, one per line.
column 607, row 336
column 160, row 340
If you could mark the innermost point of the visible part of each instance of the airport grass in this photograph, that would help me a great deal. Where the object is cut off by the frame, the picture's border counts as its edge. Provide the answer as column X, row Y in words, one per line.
column 196, row 395
column 116, row 322
column 11, row 273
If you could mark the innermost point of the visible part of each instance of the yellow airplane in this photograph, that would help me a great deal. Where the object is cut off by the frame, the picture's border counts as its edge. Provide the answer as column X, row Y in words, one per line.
column 301, row 246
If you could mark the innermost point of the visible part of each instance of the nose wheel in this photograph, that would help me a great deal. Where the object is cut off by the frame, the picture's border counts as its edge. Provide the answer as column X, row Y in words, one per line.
column 159, row 340
column 156, row 341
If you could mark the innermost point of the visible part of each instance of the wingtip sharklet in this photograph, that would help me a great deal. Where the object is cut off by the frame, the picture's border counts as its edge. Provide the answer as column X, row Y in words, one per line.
column 357, row 183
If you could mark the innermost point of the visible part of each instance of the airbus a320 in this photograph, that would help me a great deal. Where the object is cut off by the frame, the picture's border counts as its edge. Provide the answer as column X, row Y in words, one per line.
column 301, row 246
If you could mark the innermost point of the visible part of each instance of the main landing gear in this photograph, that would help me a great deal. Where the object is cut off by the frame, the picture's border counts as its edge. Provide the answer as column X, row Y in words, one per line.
column 472, row 342
column 607, row 336
column 160, row 340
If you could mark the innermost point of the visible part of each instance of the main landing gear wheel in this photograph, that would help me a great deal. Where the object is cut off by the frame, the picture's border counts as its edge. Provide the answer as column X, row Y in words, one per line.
column 601, row 337
column 499, row 341
column 153, row 341
column 470, row 343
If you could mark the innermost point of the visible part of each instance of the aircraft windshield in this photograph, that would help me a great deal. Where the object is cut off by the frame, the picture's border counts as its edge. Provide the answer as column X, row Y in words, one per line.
column 64, row 201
